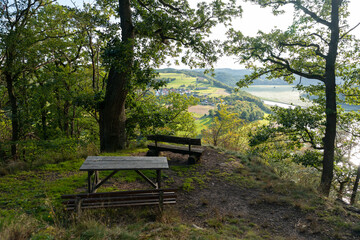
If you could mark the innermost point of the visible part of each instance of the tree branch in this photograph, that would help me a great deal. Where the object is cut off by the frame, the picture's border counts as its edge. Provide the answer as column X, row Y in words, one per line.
column 300, row 6
column 285, row 63
column 317, row 51
column 349, row 31
column 319, row 36
column 143, row 5
column 171, row 6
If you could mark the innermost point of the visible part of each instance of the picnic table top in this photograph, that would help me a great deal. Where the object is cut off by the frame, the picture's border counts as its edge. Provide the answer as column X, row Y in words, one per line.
column 99, row 163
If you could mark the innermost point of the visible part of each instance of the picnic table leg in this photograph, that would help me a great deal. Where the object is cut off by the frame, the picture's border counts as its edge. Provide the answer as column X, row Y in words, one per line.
column 89, row 181
column 158, row 178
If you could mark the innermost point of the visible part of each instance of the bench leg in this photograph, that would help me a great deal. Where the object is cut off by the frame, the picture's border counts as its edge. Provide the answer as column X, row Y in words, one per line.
column 77, row 207
column 90, row 173
column 152, row 153
column 192, row 159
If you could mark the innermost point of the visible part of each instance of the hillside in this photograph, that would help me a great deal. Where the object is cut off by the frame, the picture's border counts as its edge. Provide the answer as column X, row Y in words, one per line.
column 275, row 90
column 197, row 79
column 230, row 77
column 225, row 196
column 209, row 90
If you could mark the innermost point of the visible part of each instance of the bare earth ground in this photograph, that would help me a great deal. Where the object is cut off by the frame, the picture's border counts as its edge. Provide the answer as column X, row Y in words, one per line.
column 219, row 197
column 200, row 109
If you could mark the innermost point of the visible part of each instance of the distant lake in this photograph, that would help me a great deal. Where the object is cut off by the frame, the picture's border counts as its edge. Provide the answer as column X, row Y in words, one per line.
column 284, row 94
column 283, row 105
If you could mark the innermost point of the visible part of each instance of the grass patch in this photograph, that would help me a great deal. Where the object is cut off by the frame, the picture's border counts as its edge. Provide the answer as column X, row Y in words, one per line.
column 19, row 227
column 180, row 80
column 184, row 81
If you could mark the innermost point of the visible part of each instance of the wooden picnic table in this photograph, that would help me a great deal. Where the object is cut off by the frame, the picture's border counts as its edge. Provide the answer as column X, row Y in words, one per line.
column 94, row 164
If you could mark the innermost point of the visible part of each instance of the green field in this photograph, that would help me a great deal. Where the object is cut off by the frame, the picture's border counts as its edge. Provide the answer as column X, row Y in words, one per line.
column 185, row 80
column 181, row 79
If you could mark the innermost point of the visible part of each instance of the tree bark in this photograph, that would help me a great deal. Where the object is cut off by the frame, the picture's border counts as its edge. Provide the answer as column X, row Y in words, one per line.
column 43, row 121
column 340, row 192
column 14, row 113
column 112, row 112
column 330, row 93
column 355, row 188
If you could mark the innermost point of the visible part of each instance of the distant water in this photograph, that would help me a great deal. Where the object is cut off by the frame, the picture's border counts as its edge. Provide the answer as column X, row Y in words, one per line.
column 278, row 104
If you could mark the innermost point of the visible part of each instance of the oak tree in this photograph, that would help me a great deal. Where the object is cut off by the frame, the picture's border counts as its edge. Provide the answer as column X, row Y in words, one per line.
column 151, row 30
column 314, row 46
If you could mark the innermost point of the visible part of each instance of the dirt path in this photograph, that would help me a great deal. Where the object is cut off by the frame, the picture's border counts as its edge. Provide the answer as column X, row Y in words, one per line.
column 218, row 197
column 219, row 190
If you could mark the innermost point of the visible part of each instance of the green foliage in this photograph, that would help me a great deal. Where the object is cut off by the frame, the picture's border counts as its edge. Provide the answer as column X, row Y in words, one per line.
column 300, row 125
column 5, row 127
column 164, row 115
column 226, row 130
column 308, row 158
column 245, row 103
column 47, row 71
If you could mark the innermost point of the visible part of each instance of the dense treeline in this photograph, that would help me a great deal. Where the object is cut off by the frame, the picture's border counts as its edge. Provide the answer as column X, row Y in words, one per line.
column 50, row 60
column 244, row 106
column 54, row 71
column 74, row 76
column 246, row 97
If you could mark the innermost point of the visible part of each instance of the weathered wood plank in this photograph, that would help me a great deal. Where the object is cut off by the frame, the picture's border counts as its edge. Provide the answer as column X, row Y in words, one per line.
column 173, row 139
column 120, row 199
column 101, row 163
column 120, row 193
column 86, row 201
column 123, row 205
column 176, row 149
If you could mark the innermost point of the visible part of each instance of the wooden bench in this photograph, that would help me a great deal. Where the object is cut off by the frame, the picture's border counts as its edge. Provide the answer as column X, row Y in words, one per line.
column 156, row 148
column 78, row 202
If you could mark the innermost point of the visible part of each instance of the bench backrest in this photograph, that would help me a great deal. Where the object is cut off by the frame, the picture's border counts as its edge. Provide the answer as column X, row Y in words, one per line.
column 172, row 139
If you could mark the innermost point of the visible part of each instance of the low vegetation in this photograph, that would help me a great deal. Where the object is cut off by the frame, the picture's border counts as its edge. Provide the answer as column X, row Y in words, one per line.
column 226, row 196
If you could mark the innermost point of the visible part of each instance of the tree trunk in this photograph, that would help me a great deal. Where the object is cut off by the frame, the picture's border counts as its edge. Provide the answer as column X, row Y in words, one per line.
column 66, row 118
column 355, row 188
column 342, row 185
column 43, row 121
column 330, row 92
column 112, row 112
column 14, row 113
column 329, row 139
column 72, row 123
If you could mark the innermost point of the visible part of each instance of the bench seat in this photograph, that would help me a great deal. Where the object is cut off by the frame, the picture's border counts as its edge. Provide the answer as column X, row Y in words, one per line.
column 175, row 149
column 193, row 152
column 77, row 202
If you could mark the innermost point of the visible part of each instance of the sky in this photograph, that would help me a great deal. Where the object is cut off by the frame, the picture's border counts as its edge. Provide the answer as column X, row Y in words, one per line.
column 253, row 19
